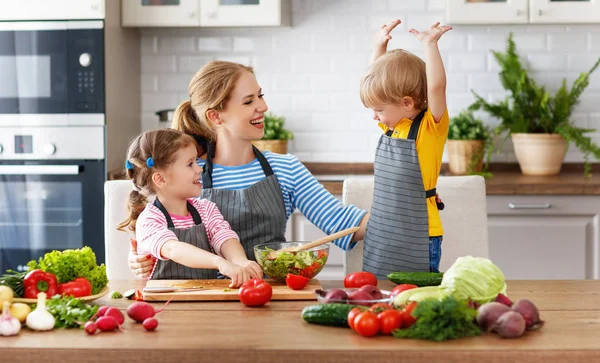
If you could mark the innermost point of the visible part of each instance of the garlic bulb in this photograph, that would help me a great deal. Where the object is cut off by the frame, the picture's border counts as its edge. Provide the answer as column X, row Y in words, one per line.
column 40, row 319
column 8, row 325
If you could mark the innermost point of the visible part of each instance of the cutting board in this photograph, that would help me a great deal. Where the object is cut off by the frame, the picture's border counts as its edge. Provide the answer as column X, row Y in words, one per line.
column 218, row 290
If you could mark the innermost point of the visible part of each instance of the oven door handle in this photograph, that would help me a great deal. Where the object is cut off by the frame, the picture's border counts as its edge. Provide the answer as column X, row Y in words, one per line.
column 39, row 169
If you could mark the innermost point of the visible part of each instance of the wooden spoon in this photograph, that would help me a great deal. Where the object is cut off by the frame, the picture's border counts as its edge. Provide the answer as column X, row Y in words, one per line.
column 320, row 241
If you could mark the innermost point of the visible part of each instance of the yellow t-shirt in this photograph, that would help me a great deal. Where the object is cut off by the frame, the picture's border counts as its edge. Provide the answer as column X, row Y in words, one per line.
column 430, row 148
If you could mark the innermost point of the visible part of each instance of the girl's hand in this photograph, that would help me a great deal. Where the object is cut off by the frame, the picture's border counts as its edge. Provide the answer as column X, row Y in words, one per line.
column 140, row 266
column 382, row 36
column 431, row 35
column 253, row 269
column 236, row 273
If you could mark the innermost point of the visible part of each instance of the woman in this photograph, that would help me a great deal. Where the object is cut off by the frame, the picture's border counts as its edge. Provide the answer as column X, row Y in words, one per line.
column 256, row 192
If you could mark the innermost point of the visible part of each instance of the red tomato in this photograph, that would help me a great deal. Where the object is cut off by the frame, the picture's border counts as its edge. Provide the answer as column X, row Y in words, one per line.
column 366, row 324
column 389, row 320
column 360, row 279
column 409, row 319
column 398, row 289
column 352, row 315
column 379, row 307
column 296, row 282
column 255, row 292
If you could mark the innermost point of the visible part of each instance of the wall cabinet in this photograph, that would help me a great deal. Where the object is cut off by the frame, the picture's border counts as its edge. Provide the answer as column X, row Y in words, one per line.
column 205, row 13
column 52, row 10
column 522, row 11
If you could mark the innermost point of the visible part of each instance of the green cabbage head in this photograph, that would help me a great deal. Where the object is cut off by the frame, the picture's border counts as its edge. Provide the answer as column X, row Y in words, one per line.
column 474, row 278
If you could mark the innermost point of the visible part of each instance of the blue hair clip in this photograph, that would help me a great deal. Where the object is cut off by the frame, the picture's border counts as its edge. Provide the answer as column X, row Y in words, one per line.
column 150, row 162
column 128, row 165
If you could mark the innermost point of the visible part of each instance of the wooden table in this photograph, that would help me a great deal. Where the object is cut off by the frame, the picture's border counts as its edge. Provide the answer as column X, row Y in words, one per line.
column 231, row 332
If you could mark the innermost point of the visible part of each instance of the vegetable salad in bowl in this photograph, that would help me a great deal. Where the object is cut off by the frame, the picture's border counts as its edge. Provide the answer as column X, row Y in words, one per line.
column 278, row 264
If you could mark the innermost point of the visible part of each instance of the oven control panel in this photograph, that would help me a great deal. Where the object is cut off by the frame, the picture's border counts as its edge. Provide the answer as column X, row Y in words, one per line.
column 40, row 143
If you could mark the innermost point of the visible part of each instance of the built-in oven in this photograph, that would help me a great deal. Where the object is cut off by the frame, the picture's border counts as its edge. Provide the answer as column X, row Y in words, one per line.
column 52, row 139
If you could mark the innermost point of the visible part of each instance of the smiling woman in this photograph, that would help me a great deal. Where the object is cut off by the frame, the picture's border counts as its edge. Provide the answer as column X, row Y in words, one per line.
column 256, row 192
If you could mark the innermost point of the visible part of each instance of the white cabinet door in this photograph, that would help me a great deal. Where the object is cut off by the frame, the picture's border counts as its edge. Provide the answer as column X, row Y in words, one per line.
column 159, row 13
column 545, row 237
column 564, row 11
column 486, row 12
column 52, row 10
column 215, row 13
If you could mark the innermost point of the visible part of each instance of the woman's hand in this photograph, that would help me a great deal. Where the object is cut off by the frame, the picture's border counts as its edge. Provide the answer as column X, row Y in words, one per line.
column 140, row 266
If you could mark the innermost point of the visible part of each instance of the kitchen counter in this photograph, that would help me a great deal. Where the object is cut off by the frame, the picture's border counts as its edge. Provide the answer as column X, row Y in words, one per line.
column 231, row 332
column 506, row 179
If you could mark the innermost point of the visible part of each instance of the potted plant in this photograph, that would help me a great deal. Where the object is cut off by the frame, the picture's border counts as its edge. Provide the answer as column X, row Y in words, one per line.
column 468, row 138
column 538, row 123
column 276, row 136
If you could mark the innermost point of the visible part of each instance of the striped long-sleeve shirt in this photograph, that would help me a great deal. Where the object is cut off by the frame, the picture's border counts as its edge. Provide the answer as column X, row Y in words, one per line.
column 152, row 231
column 300, row 190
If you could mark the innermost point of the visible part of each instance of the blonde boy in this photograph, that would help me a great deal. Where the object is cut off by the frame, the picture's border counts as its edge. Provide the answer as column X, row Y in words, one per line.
column 408, row 99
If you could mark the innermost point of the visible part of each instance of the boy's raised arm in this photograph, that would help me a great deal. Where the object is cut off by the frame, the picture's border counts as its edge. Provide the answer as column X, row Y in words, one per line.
column 434, row 68
column 382, row 37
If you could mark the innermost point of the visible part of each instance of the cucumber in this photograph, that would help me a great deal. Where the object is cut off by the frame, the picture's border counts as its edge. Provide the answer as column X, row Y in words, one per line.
column 416, row 278
column 419, row 294
column 328, row 314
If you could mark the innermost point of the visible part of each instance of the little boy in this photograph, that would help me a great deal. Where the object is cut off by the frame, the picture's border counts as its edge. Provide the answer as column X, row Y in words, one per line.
column 408, row 99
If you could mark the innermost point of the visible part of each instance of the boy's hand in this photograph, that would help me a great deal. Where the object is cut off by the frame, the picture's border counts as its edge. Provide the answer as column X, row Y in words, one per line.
column 382, row 36
column 431, row 35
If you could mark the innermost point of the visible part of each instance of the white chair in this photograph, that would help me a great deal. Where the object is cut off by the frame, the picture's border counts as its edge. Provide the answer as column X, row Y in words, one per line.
column 464, row 217
column 116, row 243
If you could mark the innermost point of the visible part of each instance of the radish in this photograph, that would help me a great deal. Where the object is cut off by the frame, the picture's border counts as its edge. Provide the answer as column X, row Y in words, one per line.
column 102, row 311
column 140, row 310
column 150, row 324
column 107, row 323
column 90, row 327
column 115, row 313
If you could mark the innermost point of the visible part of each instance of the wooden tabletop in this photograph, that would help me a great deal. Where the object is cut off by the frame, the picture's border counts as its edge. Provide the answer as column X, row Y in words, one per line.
column 231, row 332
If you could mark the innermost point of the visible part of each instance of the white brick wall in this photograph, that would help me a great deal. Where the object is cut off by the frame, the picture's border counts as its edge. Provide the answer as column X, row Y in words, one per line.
column 311, row 72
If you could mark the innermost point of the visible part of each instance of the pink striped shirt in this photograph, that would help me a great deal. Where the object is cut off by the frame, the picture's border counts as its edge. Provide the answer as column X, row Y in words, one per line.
column 152, row 231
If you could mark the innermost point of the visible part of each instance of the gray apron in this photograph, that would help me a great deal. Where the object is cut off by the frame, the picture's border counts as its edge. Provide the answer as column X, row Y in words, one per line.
column 196, row 236
column 257, row 214
column 397, row 234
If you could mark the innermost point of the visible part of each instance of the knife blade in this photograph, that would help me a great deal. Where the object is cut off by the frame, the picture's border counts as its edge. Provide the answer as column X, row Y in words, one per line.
column 160, row 289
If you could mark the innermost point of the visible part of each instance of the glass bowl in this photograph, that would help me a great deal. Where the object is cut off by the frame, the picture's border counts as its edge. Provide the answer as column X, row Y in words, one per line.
column 387, row 299
column 277, row 265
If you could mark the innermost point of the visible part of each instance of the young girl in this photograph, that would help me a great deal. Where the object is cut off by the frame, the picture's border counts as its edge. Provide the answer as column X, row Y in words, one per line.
column 186, row 236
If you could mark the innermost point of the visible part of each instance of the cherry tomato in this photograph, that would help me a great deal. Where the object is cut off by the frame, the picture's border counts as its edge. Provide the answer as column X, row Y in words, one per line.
column 360, row 279
column 389, row 320
column 409, row 319
column 255, row 292
column 366, row 324
column 352, row 315
column 403, row 287
column 296, row 282
column 379, row 307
